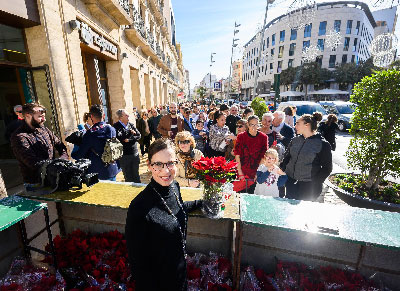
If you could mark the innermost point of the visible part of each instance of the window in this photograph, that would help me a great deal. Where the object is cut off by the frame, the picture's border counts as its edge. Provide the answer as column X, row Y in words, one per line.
column 272, row 52
column 349, row 26
column 306, row 44
column 344, row 59
column 293, row 34
column 336, row 25
column 322, row 28
column 319, row 60
column 280, row 54
column 358, row 27
column 321, row 44
column 271, row 67
column 273, row 39
column 290, row 63
column 267, row 42
column 279, row 69
column 292, row 48
column 354, row 45
column 307, row 30
column 282, row 36
column 332, row 61
column 352, row 58
column 346, row 44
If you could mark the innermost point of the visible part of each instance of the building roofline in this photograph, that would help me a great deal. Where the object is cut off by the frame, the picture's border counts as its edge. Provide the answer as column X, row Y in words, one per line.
column 362, row 5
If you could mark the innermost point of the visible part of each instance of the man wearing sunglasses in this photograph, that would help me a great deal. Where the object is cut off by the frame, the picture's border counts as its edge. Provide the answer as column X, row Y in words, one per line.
column 33, row 143
column 13, row 125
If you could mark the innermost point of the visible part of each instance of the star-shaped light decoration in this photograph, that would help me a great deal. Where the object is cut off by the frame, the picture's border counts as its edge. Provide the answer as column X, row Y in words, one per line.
column 301, row 13
column 310, row 53
column 384, row 60
column 333, row 39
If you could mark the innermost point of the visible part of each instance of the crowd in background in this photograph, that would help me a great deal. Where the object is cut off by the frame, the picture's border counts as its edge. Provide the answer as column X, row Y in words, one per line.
column 279, row 155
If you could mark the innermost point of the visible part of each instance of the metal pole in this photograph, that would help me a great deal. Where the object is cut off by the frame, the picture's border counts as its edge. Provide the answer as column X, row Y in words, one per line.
column 260, row 48
column 230, row 71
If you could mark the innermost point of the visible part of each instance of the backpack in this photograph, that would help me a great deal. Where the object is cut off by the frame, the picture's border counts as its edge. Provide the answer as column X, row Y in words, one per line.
column 113, row 150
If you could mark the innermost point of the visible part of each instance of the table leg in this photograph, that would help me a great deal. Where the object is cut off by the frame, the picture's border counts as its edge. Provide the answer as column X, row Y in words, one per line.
column 50, row 236
column 237, row 255
column 360, row 257
column 25, row 242
column 60, row 219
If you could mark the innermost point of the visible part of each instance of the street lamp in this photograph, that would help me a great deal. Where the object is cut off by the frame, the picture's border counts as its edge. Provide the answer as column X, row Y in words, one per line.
column 211, row 62
column 235, row 31
column 260, row 48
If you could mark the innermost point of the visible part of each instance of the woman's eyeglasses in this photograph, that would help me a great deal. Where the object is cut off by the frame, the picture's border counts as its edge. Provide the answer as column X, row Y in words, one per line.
column 240, row 126
column 158, row 166
column 184, row 142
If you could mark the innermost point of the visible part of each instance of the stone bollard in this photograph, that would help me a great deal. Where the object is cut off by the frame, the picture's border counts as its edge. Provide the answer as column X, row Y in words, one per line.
column 3, row 190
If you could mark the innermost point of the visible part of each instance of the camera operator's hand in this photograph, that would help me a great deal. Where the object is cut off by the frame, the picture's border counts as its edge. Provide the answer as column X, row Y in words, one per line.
column 126, row 140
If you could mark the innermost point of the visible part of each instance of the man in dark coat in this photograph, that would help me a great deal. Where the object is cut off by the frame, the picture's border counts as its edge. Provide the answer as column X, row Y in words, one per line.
column 93, row 143
column 285, row 133
column 154, row 120
column 129, row 136
column 232, row 118
column 13, row 125
column 33, row 143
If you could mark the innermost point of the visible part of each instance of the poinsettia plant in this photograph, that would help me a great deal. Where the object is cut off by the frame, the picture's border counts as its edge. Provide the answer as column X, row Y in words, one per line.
column 214, row 173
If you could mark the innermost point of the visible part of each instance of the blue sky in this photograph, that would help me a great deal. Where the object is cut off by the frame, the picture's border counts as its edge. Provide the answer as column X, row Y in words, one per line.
column 207, row 26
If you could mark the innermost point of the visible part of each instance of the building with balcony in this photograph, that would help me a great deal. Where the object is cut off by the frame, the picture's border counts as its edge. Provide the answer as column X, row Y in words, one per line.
column 68, row 55
column 282, row 46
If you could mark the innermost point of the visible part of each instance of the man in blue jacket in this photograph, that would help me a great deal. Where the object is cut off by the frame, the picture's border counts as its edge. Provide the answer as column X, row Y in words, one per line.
column 93, row 143
column 284, row 132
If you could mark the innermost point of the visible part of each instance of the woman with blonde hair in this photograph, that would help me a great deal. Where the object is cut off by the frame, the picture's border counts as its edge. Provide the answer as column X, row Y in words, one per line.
column 186, row 154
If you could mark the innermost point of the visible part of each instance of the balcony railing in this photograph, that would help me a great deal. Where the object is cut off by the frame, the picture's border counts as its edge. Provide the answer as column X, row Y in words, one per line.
column 150, row 39
column 125, row 5
column 138, row 23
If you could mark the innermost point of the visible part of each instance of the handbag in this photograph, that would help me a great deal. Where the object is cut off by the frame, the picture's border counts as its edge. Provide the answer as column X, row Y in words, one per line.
column 243, row 184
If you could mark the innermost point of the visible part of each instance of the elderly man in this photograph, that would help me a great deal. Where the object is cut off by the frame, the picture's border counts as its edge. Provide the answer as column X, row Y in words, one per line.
column 33, row 143
column 188, row 122
column 129, row 136
column 13, row 125
column 232, row 118
column 171, row 123
column 284, row 133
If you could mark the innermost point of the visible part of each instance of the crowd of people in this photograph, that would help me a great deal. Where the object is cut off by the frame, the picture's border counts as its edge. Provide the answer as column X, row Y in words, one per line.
column 279, row 155
column 300, row 149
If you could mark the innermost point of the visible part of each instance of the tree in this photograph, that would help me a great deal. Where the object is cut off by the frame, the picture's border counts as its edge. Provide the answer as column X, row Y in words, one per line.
column 288, row 76
column 259, row 107
column 395, row 65
column 375, row 146
column 312, row 73
column 350, row 73
column 202, row 93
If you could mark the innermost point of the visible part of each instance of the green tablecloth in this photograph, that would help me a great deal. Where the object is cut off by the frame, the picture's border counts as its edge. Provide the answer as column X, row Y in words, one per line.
column 359, row 225
column 14, row 209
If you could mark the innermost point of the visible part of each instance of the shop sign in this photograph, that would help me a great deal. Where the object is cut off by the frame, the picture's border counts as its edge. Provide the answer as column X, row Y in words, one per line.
column 91, row 37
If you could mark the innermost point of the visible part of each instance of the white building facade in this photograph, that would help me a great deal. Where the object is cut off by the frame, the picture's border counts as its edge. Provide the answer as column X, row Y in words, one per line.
column 282, row 46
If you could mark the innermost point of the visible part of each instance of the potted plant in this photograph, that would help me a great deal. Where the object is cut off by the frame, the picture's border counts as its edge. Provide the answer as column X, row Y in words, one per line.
column 375, row 147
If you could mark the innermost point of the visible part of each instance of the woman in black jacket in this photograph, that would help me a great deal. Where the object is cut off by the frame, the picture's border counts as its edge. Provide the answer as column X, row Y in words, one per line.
column 307, row 160
column 156, row 225
column 328, row 130
column 143, row 126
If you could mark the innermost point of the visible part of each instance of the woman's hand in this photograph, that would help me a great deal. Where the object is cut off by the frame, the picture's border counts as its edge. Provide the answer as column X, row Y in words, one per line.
column 232, row 137
column 194, row 183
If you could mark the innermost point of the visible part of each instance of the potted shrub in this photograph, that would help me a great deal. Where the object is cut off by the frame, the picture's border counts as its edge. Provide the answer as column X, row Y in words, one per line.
column 375, row 147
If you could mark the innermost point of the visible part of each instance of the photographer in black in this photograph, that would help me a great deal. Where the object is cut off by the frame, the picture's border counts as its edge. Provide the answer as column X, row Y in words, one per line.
column 34, row 143
column 129, row 136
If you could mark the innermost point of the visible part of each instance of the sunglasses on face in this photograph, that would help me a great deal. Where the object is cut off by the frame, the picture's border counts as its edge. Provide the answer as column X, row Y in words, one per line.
column 19, row 111
column 184, row 142
column 40, row 111
column 240, row 126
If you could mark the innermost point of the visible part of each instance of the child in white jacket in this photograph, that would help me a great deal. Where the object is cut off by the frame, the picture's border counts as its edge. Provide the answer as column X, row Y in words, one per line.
column 269, row 176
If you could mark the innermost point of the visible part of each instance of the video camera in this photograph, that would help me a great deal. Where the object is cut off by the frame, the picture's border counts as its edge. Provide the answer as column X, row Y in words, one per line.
column 62, row 174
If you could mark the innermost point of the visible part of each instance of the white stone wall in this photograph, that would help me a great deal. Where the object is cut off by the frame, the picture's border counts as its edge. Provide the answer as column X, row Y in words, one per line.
column 325, row 13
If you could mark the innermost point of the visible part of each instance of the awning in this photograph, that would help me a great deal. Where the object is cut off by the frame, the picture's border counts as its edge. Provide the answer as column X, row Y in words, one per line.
column 291, row 94
column 328, row 92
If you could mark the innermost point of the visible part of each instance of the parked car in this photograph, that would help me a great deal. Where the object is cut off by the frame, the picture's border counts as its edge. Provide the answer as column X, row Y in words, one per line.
column 304, row 107
column 244, row 104
column 343, row 110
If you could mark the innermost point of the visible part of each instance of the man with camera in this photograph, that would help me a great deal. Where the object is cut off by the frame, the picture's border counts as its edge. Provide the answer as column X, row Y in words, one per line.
column 128, row 135
column 93, row 143
column 33, row 143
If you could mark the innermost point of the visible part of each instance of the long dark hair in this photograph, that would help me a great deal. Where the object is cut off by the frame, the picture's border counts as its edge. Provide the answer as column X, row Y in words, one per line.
column 332, row 118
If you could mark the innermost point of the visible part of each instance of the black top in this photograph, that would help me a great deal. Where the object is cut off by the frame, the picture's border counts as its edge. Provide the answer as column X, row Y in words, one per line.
column 231, row 122
column 155, row 244
column 123, row 133
column 12, row 126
